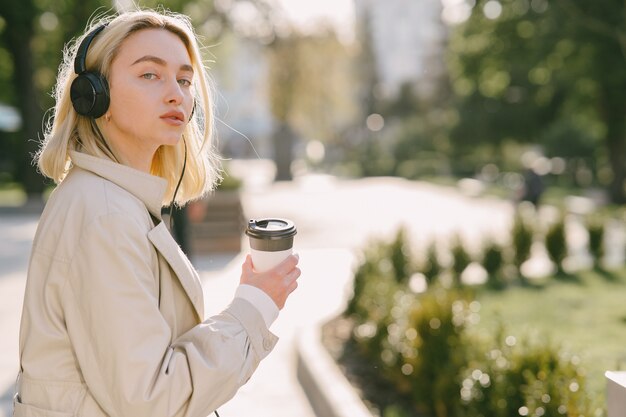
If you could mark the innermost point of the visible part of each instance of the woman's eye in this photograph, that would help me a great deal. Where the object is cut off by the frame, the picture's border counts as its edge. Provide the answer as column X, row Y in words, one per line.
column 184, row 82
column 149, row 76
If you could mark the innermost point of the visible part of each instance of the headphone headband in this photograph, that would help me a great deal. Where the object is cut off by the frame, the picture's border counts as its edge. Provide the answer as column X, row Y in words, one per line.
column 80, row 64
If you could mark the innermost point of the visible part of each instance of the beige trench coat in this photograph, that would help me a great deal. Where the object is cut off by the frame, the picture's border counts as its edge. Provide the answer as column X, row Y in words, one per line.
column 113, row 321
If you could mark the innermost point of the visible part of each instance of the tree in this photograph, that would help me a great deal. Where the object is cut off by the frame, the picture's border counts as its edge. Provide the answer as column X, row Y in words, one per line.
column 310, row 95
column 521, row 67
column 33, row 36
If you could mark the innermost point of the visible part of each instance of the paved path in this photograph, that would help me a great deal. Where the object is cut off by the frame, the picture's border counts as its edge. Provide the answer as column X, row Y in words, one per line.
column 16, row 233
column 335, row 219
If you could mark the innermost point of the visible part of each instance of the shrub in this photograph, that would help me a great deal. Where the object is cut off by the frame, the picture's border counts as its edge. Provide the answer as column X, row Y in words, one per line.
column 370, row 306
column 399, row 254
column 556, row 243
column 595, row 228
column 229, row 182
column 433, row 350
column 431, row 267
column 493, row 261
column 372, row 267
column 423, row 352
column 460, row 259
column 522, row 239
column 515, row 378
column 421, row 346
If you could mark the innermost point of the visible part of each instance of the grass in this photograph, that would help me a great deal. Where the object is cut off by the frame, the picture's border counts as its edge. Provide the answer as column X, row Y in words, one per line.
column 12, row 194
column 584, row 314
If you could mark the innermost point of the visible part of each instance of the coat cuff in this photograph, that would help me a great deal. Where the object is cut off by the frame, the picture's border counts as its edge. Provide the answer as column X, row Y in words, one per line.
column 261, row 339
column 260, row 300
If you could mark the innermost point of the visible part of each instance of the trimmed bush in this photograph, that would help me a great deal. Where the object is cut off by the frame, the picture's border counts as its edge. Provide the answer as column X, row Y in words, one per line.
column 399, row 254
column 460, row 259
column 431, row 268
column 433, row 351
column 595, row 227
column 422, row 346
column 421, row 350
column 375, row 285
column 521, row 379
column 493, row 261
column 522, row 240
column 556, row 244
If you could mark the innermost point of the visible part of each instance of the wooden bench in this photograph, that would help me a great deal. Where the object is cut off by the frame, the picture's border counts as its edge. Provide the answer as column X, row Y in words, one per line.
column 216, row 223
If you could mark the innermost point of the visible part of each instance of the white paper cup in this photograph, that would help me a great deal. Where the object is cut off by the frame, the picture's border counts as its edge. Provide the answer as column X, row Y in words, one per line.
column 271, row 241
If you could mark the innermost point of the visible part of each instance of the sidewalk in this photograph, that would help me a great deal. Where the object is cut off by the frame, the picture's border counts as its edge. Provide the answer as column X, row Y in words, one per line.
column 274, row 390
column 16, row 234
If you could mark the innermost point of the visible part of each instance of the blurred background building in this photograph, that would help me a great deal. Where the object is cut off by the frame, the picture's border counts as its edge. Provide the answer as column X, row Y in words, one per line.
column 242, row 97
column 408, row 40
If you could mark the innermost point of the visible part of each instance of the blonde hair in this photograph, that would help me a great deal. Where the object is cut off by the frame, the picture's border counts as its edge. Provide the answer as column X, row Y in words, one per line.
column 70, row 131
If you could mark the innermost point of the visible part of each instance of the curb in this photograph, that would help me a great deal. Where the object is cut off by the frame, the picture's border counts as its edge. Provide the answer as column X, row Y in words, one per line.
column 29, row 208
column 327, row 389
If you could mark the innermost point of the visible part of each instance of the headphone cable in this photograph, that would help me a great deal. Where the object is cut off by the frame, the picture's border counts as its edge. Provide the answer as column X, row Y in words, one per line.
column 178, row 184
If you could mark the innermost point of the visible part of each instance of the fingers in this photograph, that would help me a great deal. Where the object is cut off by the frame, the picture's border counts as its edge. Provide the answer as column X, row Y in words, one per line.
column 247, row 263
column 293, row 275
column 246, row 267
column 288, row 264
column 292, row 287
column 291, row 280
column 278, row 283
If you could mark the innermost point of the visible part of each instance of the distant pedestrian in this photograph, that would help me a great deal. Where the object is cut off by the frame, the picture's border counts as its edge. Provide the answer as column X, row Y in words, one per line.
column 533, row 187
column 113, row 319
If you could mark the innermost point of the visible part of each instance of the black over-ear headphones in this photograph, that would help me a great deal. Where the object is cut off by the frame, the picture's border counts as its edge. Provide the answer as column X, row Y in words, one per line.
column 90, row 90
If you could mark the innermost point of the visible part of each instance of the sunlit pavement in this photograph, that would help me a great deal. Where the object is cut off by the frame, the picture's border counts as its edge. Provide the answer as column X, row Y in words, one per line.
column 335, row 219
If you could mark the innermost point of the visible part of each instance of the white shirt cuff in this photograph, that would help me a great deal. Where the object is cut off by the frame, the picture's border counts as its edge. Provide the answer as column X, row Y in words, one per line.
column 259, row 299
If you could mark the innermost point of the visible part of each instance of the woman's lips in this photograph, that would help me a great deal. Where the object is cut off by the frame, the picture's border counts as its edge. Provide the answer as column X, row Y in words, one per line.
column 174, row 118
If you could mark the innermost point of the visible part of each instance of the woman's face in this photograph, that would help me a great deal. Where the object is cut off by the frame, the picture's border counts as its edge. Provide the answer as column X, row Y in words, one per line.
column 151, row 98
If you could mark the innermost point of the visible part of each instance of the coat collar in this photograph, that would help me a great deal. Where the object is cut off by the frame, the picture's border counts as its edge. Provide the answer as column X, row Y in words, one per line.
column 148, row 188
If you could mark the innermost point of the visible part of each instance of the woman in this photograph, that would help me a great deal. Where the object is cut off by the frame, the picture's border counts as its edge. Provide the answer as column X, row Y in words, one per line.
column 113, row 321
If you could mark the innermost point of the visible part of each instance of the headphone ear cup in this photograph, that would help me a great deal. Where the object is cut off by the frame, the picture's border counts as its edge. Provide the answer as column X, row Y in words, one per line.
column 90, row 94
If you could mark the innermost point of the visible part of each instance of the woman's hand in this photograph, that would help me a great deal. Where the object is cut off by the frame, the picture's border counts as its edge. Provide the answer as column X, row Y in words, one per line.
column 278, row 282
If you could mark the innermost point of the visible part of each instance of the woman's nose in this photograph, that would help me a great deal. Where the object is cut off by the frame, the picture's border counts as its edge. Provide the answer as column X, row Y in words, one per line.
column 174, row 93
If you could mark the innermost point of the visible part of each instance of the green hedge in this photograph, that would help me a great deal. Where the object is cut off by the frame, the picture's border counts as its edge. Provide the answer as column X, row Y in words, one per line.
column 422, row 346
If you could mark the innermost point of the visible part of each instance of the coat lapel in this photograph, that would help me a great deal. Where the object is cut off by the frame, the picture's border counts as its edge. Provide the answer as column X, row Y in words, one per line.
column 188, row 277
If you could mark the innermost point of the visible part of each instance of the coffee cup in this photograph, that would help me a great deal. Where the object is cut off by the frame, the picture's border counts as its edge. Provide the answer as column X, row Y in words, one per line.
column 271, row 241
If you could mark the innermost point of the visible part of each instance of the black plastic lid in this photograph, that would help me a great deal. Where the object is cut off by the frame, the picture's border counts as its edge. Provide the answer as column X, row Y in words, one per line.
column 271, row 229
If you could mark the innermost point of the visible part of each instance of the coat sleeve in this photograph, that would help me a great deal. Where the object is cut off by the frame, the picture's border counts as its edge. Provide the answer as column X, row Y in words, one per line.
column 124, row 346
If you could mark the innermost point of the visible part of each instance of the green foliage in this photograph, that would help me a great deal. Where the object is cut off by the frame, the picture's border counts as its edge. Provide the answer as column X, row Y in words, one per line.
column 228, row 182
column 556, row 243
column 399, row 254
column 373, row 290
column 522, row 239
column 460, row 259
column 571, row 139
column 395, row 411
column 542, row 70
column 595, row 227
column 512, row 378
column 493, row 261
column 418, row 344
column 423, row 346
column 431, row 268
column 383, row 268
column 432, row 351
